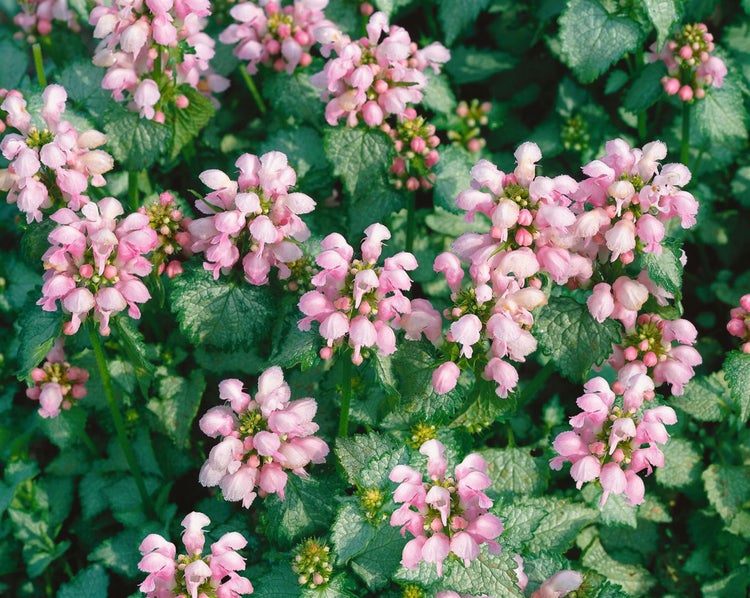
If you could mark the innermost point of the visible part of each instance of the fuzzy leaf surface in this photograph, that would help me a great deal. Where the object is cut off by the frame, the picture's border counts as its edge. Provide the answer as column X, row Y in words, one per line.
column 576, row 341
column 737, row 369
column 592, row 38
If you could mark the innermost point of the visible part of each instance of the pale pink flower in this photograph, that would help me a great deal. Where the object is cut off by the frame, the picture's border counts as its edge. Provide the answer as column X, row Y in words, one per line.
column 262, row 439
column 57, row 385
column 177, row 576
column 445, row 514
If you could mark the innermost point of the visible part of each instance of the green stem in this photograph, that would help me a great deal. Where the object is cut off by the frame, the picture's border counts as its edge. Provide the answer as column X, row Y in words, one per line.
column 127, row 449
column 36, row 50
column 253, row 90
column 685, row 142
column 133, row 190
column 411, row 221
column 89, row 443
column 641, row 113
column 346, row 394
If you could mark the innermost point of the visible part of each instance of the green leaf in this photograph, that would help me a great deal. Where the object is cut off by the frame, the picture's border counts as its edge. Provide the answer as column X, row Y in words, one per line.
column 452, row 175
column 414, row 365
column 189, row 121
column 339, row 586
column 177, row 405
column 513, row 471
column 135, row 142
column 15, row 63
column 520, row 520
column 563, row 522
column 367, row 459
column 664, row 15
column 19, row 280
column 635, row 580
column 682, row 463
column 216, row 313
column 389, row 7
column 592, row 38
column 741, row 186
column 728, row 488
column 469, row 65
column 721, row 115
column 307, row 509
column 360, row 157
column 576, row 341
column 279, row 582
column 234, row 361
column 737, row 370
column 351, row 532
column 438, row 95
column 66, row 429
column 646, row 89
column 83, row 82
column 91, row 582
column 736, row 583
column 117, row 553
column 665, row 270
column 705, row 398
column 492, row 574
column 615, row 81
column 294, row 95
column 455, row 17
column 132, row 342
column 15, row 474
column 38, row 331
column 376, row 565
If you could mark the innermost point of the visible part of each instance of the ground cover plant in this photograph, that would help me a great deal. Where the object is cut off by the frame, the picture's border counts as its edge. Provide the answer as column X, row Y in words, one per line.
column 401, row 298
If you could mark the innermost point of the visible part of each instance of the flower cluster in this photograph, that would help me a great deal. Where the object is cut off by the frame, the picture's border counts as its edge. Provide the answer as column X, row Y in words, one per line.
column 255, row 218
column 660, row 348
column 96, row 262
column 51, row 166
column 36, row 16
column 193, row 574
column 57, row 384
column 167, row 220
column 626, row 200
column 150, row 47
column 690, row 66
column 276, row 35
column 262, row 439
column 312, row 563
column 739, row 324
column 613, row 438
column 415, row 142
column 372, row 78
column 355, row 298
column 466, row 131
column 447, row 514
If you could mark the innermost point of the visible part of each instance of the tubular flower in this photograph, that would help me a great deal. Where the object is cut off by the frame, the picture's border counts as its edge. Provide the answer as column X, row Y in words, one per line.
column 624, row 204
column 192, row 574
column 465, row 131
column 355, row 299
column 275, row 35
column 263, row 438
column 167, row 220
column 372, row 78
column 51, row 167
column 415, row 142
column 662, row 348
column 57, row 384
column 446, row 514
column 614, row 438
column 255, row 218
column 691, row 68
column 150, row 48
column 36, row 16
column 739, row 324
column 97, row 262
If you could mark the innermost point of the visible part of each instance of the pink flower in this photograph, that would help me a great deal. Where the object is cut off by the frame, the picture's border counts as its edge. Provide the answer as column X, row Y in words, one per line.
column 168, row 572
column 445, row 377
column 445, row 514
column 261, row 439
column 269, row 231
column 57, row 385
